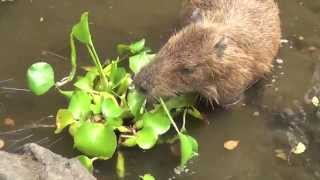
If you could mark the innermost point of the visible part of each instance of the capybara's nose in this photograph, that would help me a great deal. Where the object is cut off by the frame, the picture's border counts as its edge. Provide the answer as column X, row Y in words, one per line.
column 141, row 84
column 141, row 88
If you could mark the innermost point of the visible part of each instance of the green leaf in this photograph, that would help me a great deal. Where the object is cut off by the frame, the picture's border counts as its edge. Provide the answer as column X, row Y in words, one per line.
column 158, row 121
column 135, row 102
column 146, row 138
column 123, row 48
column 138, row 46
column 110, row 108
column 121, row 169
column 130, row 142
column 81, row 30
column 124, row 84
column 147, row 177
column 79, row 104
column 139, row 61
column 74, row 127
column 67, row 94
column 133, row 48
column 40, row 78
column 180, row 102
column 195, row 146
column 138, row 124
column 195, row 113
column 100, row 86
column 119, row 78
column 95, row 107
column 86, row 162
column 189, row 148
column 63, row 119
column 114, row 122
column 95, row 140
column 86, row 83
column 116, row 74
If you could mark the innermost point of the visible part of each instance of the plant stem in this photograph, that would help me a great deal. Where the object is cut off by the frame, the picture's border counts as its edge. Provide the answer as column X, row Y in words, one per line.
column 92, row 57
column 169, row 116
column 96, row 55
column 93, row 159
column 97, row 64
column 126, row 136
column 183, row 128
column 73, row 59
column 97, row 59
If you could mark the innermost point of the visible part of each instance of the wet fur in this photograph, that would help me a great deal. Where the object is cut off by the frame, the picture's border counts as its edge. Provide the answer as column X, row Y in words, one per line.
column 228, row 46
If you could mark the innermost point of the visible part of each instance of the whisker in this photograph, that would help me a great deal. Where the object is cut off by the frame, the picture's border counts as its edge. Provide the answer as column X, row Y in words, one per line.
column 14, row 131
column 211, row 103
column 50, row 117
column 27, row 128
column 54, row 54
column 42, row 141
column 6, row 80
column 15, row 89
column 55, row 142
column 16, row 142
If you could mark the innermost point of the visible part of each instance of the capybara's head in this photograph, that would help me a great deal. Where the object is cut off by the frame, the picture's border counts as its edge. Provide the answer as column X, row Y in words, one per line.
column 207, row 60
column 185, row 63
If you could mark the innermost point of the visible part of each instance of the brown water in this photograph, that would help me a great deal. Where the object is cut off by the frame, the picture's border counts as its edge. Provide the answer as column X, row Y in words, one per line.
column 24, row 38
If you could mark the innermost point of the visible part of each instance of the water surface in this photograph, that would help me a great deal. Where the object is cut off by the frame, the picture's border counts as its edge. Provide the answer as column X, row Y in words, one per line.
column 30, row 28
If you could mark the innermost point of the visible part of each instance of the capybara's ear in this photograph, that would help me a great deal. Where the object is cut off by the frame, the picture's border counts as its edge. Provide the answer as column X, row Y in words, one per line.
column 202, row 4
column 195, row 3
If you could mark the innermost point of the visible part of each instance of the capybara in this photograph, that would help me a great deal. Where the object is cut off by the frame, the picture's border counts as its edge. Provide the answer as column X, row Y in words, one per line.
column 227, row 46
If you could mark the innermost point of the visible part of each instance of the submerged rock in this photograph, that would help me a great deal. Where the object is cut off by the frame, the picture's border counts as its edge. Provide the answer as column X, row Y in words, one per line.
column 36, row 162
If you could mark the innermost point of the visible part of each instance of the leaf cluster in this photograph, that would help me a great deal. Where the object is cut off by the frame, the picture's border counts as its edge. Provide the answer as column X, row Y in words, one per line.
column 105, row 110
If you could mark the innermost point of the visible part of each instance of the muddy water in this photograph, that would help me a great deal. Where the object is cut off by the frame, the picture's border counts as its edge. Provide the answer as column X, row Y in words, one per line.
column 33, row 30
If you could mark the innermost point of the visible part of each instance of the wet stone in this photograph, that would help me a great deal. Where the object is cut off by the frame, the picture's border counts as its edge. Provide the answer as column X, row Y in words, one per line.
column 1, row 144
column 312, row 49
column 257, row 113
column 284, row 41
column 279, row 61
column 36, row 162
column 318, row 114
column 9, row 122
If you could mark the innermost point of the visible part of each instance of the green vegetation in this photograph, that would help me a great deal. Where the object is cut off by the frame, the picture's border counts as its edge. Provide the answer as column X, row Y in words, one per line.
column 105, row 110
column 147, row 177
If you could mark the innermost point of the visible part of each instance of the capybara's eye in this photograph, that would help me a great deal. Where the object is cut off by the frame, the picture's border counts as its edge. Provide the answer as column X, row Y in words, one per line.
column 186, row 70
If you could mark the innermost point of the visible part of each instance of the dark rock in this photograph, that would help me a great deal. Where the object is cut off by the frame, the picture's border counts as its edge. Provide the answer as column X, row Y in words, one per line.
column 36, row 162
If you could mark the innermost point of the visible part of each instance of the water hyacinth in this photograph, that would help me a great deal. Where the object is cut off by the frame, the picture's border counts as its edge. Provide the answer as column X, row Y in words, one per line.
column 105, row 111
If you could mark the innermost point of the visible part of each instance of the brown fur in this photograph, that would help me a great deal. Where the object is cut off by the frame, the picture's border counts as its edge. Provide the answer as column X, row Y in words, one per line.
column 228, row 45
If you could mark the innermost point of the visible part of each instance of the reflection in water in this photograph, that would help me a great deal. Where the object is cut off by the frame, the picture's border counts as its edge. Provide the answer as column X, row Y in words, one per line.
column 31, row 29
